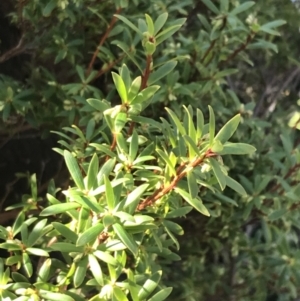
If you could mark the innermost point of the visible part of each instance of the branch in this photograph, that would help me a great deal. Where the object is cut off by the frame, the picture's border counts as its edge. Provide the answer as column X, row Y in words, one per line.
column 242, row 47
column 103, row 39
column 160, row 192
column 19, row 48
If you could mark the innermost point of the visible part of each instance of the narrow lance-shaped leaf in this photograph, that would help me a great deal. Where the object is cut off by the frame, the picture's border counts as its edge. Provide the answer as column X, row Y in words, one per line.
column 167, row 160
column 126, row 238
column 120, row 86
column 150, row 25
column 212, row 125
column 74, row 169
column 244, row 6
column 161, row 72
column 218, row 173
column 196, row 203
column 150, row 285
column 130, row 24
column 211, row 6
column 109, row 194
column 228, row 129
column 161, row 295
column 59, row 208
column 92, row 172
column 160, row 22
column 237, row 149
column 90, row 235
column 133, row 198
column 233, row 184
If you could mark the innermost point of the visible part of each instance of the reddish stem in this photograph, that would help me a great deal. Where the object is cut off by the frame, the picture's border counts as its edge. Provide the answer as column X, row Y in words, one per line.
column 103, row 39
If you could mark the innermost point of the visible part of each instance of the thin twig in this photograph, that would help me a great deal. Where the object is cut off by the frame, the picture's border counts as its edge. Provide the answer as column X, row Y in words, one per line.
column 19, row 48
column 103, row 39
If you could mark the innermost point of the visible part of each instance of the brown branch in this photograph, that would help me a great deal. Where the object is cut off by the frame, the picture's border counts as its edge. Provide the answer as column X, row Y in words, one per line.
column 109, row 66
column 160, row 192
column 242, row 47
column 19, row 48
column 103, row 39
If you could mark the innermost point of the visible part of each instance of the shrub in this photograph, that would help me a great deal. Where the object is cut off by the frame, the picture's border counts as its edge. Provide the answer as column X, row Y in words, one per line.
column 136, row 168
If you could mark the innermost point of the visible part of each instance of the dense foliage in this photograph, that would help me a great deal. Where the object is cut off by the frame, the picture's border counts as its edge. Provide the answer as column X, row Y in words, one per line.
column 158, row 107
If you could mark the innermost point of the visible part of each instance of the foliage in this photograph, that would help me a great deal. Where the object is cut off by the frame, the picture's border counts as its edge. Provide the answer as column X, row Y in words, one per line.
column 137, row 118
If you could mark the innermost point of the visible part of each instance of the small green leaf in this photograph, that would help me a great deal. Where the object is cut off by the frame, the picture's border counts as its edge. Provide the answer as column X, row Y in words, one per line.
column 80, row 272
column 161, row 295
column 96, row 269
column 44, row 271
column 97, row 104
column 161, row 72
column 37, row 252
column 134, row 197
column 192, row 184
column 212, row 125
column 134, row 145
column 120, row 122
column 74, row 169
column 237, row 149
column 27, row 265
column 65, row 247
column 167, row 160
column 51, row 296
column 244, row 6
column 130, row 24
column 126, row 238
column 120, row 86
column 211, row 6
column 233, row 184
column 218, row 172
column 90, row 235
column 150, row 25
column 277, row 214
column 160, row 22
column 228, row 129
column 59, row 208
column 179, row 212
column 106, row 257
column 92, row 172
column 51, row 5
column 150, row 285
column 195, row 202
column 134, row 88
column 109, row 194
column 118, row 294
column 145, row 95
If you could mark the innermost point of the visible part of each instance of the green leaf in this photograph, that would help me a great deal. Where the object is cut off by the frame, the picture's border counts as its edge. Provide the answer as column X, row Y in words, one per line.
column 218, row 172
column 150, row 25
column 134, row 197
column 195, row 202
column 212, row 125
column 59, row 208
column 161, row 72
column 80, row 272
column 109, row 194
column 120, row 122
column 51, row 296
column 106, row 257
column 98, row 104
column 167, row 160
column 228, row 129
column 130, row 24
column 233, row 184
column 120, row 86
column 92, row 172
column 161, row 295
column 37, row 252
column 65, row 247
column 134, row 145
column 145, row 95
column 90, row 235
column 211, row 6
column 237, row 149
column 134, row 88
column 244, row 6
column 36, row 233
column 150, row 285
column 192, row 184
column 65, row 231
column 168, row 32
column 27, row 265
column 179, row 212
column 51, row 5
column 160, row 22
column 96, row 269
column 193, row 149
column 274, row 24
column 44, row 271
column 126, row 238
column 200, row 124
column 74, row 169
column 177, row 122
column 277, row 214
